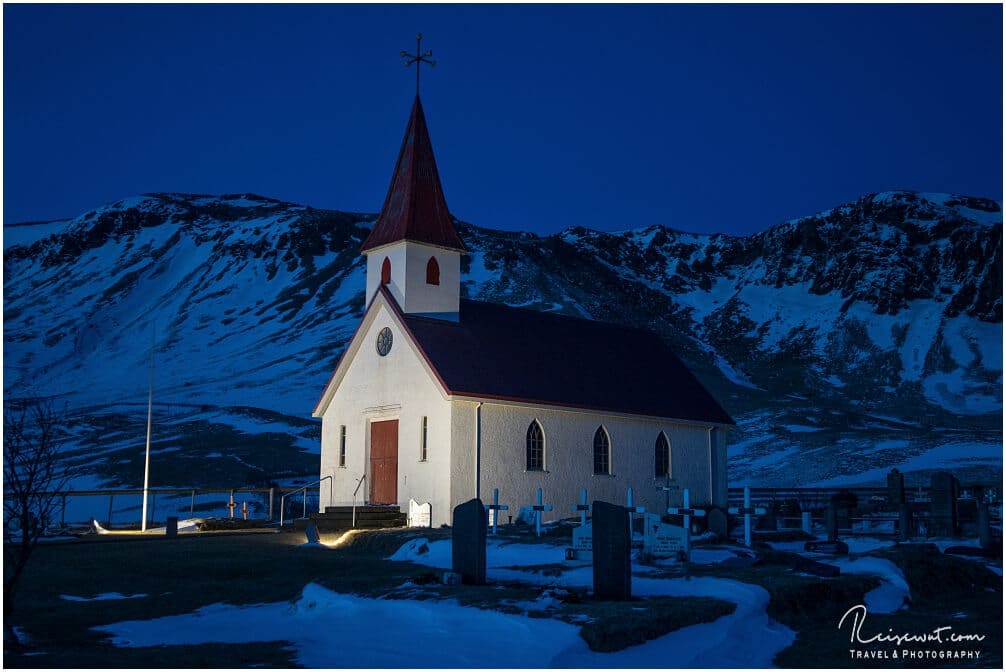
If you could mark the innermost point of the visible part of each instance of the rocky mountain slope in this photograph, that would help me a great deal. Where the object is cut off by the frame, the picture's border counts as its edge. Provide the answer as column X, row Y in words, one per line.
column 861, row 338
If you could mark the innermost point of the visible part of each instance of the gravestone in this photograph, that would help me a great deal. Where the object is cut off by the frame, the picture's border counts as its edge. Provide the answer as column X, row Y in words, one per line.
column 967, row 513
column 661, row 540
column 895, row 488
column 582, row 551
column 831, row 521
column 984, row 526
column 789, row 512
column 842, row 518
column 943, row 504
column 171, row 530
column 905, row 524
column 717, row 518
column 468, row 542
column 420, row 515
column 837, row 547
column 767, row 522
column 611, row 548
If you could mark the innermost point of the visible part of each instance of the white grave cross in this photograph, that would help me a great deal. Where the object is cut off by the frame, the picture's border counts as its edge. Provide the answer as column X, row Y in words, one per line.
column 669, row 486
column 686, row 512
column 495, row 508
column 630, row 505
column 538, row 508
column 583, row 507
column 747, row 510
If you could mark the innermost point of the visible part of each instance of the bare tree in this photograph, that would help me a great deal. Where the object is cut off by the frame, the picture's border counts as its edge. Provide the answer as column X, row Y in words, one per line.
column 33, row 430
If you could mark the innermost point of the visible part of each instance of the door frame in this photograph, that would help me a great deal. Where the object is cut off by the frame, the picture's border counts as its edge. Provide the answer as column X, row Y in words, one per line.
column 370, row 457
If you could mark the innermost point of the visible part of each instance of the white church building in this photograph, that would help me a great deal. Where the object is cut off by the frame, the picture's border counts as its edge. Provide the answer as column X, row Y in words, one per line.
column 440, row 399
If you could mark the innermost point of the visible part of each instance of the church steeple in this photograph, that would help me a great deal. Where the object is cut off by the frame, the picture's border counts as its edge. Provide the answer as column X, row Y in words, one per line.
column 415, row 208
column 414, row 250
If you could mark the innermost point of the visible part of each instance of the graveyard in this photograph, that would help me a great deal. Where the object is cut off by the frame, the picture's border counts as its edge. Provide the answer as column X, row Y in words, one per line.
column 609, row 585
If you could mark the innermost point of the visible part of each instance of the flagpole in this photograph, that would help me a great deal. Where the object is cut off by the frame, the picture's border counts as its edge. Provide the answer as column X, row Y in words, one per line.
column 150, row 411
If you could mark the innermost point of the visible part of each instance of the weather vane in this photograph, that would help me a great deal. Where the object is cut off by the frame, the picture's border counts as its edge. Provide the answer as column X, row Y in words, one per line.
column 419, row 58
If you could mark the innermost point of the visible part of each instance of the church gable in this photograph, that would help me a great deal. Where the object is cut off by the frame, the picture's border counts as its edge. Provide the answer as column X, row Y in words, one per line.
column 382, row 346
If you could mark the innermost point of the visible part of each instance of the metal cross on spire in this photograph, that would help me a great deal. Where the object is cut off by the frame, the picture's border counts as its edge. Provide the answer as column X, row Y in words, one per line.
column 419, row 58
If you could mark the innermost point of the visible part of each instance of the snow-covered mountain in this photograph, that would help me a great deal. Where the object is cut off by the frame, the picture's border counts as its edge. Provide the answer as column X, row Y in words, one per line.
column 861, row 338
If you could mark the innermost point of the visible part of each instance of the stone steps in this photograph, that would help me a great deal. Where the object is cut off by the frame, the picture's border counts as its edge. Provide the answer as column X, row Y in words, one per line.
column 336, row 518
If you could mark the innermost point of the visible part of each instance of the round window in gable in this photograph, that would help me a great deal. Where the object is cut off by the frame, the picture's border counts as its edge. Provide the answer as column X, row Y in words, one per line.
column 384, row 340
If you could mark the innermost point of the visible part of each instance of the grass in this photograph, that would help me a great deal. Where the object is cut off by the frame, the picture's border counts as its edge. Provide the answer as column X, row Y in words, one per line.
column 192, row 571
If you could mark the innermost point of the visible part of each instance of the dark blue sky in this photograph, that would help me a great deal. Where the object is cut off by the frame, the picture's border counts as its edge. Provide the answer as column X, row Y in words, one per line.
column 704, row 118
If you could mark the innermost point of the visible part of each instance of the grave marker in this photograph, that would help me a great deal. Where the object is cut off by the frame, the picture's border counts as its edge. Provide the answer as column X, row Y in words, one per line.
column 943, row 489
column 717, row 521
column 686, row 512
column 904, row 522
column 468, row 542
column 747, row 511
column 538, row 509
column 420, row 515
column 984, row 526
column 611, row 550
column 831, row 520
column 895, row 488
column 583, row 507
column 661, row 540
column 495, row 508
column 630, row 505
column 667, row 488
column 836, row 547
column 581, row 552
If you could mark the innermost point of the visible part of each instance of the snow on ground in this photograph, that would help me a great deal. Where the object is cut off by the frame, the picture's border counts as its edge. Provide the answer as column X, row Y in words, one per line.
column 102, row 596
column 745, row 638
column 893, row 591
column 946, row 456
column 330, row 630
column 184, row 526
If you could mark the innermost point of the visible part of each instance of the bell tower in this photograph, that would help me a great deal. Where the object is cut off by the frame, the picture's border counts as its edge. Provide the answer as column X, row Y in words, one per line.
column 414, row 249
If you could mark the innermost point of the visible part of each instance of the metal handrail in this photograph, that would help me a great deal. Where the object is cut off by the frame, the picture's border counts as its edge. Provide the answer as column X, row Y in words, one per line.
column 358, row 484
column 282, row 500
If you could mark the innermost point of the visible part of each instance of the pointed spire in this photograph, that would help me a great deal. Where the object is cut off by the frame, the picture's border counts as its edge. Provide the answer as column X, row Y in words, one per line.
column 415, row 208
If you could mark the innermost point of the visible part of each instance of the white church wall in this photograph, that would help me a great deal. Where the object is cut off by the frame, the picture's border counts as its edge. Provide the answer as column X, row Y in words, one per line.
column 394, row 387
column 375, row 259
column 569, row 437
column 463, row 456
column 423, row 298
column 408, row 277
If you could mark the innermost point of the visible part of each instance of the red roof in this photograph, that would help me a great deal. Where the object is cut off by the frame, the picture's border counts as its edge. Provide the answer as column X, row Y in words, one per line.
column 415, row 208
column 498, row 352
column 504, row 353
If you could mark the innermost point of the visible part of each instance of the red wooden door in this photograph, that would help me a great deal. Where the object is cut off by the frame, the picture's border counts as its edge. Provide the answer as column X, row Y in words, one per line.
column 384, row 462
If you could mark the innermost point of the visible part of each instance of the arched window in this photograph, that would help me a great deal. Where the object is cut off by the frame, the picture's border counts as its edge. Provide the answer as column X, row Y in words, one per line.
column 386, row 271
column 661, row 456
column 602, row 451
column 432, row 272
column 535, row 447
